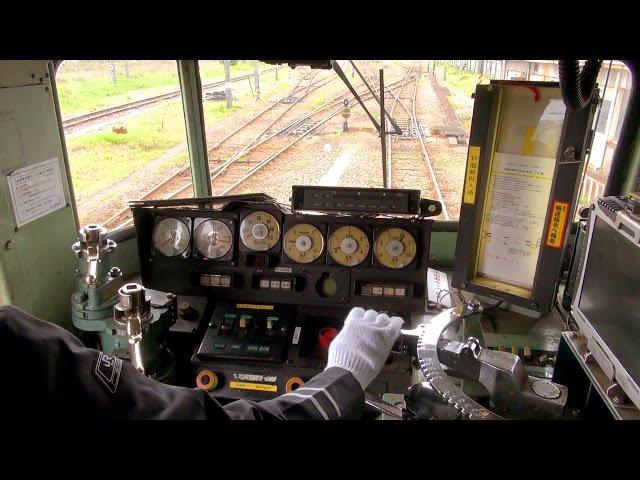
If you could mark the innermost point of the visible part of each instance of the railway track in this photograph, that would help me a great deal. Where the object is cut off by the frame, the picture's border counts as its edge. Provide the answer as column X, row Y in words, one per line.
column 397, row 167
column 237, row 169
column 80, row 120
column 275, row 113
column 225, row 182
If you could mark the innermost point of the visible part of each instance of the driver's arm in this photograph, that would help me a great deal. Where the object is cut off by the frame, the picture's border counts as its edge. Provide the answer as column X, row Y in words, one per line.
column 47, row 372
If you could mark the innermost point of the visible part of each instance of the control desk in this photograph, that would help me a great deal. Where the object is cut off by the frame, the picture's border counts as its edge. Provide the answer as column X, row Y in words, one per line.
column 279, row 284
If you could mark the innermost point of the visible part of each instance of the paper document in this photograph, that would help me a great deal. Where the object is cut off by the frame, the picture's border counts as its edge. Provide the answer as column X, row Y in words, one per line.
column 514, row 217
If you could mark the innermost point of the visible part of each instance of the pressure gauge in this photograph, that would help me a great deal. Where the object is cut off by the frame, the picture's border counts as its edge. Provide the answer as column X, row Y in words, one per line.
column 213, row 239
column 259, row 231
column 348, row 246
column 303, row 243
column 170, row 237
column 395, row 248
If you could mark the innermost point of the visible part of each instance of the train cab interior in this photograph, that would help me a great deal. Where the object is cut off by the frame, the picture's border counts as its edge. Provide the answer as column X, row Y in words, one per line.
column 213, row 222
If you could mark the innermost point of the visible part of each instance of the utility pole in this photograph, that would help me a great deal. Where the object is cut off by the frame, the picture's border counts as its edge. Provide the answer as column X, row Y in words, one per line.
column 112, row 70
column 276, row 72
column 126, row 69
column 227, row 83
column 256, row 76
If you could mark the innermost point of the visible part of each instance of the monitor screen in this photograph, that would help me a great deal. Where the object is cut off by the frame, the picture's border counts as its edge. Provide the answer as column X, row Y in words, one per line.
column 610, row 298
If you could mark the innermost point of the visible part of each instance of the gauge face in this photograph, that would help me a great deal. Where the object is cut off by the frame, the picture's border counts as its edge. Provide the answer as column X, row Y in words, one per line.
column 259, row 231
column 348, row 245
column 395, row 248
column 303, row 243
column 170, row 237
column 213, row 239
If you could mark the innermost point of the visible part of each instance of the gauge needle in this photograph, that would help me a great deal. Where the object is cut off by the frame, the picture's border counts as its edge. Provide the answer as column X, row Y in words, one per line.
column 171, row 238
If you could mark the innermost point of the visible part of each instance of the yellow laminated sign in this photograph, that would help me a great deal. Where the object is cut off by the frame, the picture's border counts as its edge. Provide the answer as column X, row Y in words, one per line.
column 471, row 178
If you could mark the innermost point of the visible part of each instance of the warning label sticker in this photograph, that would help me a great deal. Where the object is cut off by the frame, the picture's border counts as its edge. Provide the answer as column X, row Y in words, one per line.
column 471, row 177
column 557, row 224
column 261, row 387
column 252, row 306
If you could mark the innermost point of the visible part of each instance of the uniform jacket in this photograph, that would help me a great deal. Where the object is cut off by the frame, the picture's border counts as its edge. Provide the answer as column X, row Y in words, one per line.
column 48, row 373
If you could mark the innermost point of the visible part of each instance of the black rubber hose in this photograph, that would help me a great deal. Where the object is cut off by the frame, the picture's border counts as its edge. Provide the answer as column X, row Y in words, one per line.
column 577, row 86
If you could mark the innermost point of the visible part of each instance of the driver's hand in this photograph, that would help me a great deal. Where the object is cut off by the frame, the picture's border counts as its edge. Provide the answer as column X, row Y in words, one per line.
column 364, row 344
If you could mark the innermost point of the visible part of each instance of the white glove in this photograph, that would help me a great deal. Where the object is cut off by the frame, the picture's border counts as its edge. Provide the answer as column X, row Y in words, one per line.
column 364, row 343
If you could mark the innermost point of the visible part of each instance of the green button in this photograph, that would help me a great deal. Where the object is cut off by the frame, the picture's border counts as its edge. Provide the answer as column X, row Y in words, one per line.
column 264, row 349
column 274, row 319
column 229, row 315
column 236, row 346
column 252, row 348
column 248, row 317
column 219, row 345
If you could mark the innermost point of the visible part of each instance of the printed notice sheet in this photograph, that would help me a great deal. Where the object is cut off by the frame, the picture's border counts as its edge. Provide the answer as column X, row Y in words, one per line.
column 514, row 217
column 36, row 190
column 438, row 287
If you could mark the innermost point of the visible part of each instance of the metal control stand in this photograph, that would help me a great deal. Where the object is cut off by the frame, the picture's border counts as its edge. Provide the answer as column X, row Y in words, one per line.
column 121, row 314
column 513, row 393
column 145, row 330
column 97, row 284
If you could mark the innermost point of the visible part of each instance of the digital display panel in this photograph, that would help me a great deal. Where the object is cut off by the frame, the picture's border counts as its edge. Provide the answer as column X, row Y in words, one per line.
column 610, row 298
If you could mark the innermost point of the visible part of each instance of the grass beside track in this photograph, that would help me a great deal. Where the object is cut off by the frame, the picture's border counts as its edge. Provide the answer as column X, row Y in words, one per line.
column 85, row 86
column 100, row 159
column 461, row 84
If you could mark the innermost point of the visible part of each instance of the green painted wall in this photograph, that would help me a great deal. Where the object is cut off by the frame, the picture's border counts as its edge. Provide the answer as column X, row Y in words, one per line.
column 36, row 268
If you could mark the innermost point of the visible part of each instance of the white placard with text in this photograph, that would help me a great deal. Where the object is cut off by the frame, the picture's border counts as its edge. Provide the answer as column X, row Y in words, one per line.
column 36, row 191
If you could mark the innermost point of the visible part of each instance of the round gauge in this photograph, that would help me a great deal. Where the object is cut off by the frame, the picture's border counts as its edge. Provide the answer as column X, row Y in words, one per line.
column 395, row 248
column 303, row 243
column 259, row 231
column 348, row 245
column 213, row 239
column 170, row 237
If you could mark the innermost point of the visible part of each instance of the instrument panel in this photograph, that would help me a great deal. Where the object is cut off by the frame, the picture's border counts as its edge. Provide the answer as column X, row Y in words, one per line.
column 268, row 254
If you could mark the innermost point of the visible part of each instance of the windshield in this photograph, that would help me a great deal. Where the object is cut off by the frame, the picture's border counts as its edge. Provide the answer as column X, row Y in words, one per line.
column 270, row 127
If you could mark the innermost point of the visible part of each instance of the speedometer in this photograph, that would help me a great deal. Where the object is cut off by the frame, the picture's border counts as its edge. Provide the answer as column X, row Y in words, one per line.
column 303, row 243
column 348, row 246
column 395, row 248
column 170, row 237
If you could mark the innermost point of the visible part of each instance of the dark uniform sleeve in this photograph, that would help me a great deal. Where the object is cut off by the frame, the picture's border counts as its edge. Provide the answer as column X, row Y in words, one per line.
column 47, row 372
